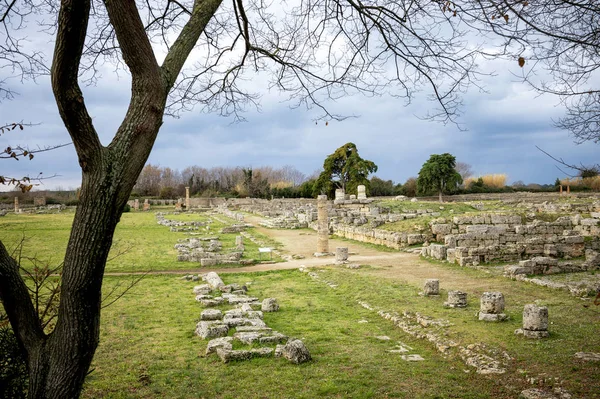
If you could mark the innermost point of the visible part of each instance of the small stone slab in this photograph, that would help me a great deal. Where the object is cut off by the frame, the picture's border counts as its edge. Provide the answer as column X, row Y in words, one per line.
column 211, row 314
column 247, row 337
column 211, row 302
column 295, row 351
column 270, row 305
column 235, row 299
column 492, row 317
column 276, row 338
column 412, row 358
column 532, row 333
column 229, row 355
column 383, row 338
column 202, row 289
column 214, row 344
column 588, row 356
column 211, row 329
column 253, row 329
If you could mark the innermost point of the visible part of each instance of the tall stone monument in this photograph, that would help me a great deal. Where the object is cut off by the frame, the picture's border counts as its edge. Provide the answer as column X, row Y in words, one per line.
column 322, row 225
column 16, row 204
column 362, row 193
column 187, row 199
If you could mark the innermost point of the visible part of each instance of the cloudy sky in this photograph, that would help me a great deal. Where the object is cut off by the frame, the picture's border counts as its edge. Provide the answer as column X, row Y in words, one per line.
column 502, row 129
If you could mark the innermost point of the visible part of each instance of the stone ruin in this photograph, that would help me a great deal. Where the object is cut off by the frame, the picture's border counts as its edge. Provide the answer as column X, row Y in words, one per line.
column 178, row 226
column 456, row 299
column 247, row 322
column 472, row 240
column 206, row 250
column 492, row 307
column 431, row 287
column 535, row 322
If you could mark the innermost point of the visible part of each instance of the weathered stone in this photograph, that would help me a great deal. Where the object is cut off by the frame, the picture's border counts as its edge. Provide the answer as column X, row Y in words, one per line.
column 211, row 329
column 214, row 344
column 361, row 192
column 322, row 225
column 492, row 303
column 275, row 338
column 213, row 279
column 210, row 302
column 588, row 356
column 270, row 305
column 412, row 358
column 211, row 314
column 341, row 254
column 456, row 299
column 247, row 337
column 232, row 355
column 431, row 287
column 535, row 318
column 203, row 289
column 295, row 351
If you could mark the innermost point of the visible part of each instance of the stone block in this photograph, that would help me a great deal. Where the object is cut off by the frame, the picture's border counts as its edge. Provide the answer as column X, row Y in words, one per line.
column 211, row 314
column 431, row 287
column 492, row 303
column 535, row 318
column 295, row 351
column 211, row 329
column 269, row 305
column 456, row 299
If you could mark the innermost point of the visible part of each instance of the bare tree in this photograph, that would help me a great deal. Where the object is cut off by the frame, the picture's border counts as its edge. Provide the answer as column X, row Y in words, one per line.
column 312, row 49
column 17, row 152
column 464, row 170
column 556, row 42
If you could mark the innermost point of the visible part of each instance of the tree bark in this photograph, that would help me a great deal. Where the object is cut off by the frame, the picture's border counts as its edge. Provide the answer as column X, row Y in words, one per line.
column 58, row 362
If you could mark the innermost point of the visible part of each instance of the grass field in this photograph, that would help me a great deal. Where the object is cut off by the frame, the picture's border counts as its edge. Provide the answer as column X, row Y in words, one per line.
column 148, row 348
column 139, row 245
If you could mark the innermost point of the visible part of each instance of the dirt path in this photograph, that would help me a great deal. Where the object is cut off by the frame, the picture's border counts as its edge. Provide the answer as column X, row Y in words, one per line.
column 402, row 266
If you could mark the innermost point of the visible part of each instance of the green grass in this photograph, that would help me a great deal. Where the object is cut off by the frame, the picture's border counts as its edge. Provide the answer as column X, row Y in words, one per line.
column 140, row 243
column 150, row 333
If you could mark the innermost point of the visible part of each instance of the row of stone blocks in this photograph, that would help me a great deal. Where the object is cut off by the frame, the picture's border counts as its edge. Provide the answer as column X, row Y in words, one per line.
column 535, row 318
column 247, row 321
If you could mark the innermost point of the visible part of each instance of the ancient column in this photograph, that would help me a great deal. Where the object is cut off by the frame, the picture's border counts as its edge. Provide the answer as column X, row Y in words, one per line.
column 322, row 225
column 431, row 287
column 136, row 204
column 456, row 299
column 16, row 204
column 535, row 321
column 362, row 193
column 340, row 195
column 187, row 199
column 146, row 205
column 561, row 189
column 492, row 307
column 341, row 254
column 568, row 189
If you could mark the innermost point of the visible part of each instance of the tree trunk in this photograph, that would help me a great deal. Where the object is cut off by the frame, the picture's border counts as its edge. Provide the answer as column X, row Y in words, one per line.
column 440, row 196
column 59, row 366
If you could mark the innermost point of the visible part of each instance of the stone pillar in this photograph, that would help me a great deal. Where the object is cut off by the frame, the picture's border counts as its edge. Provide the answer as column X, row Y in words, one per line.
column 340, row 195
column 146, row 205
column 456, row 299
column 561, row 189
column 492, row 307
column 136, row 204
column 178, row 204
column 361, row 191
column 431, row 287
column 535, row 321
column 16, row 204
column 341, row 254
column 239, row 242
column 322, row 225
column 187, row 199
